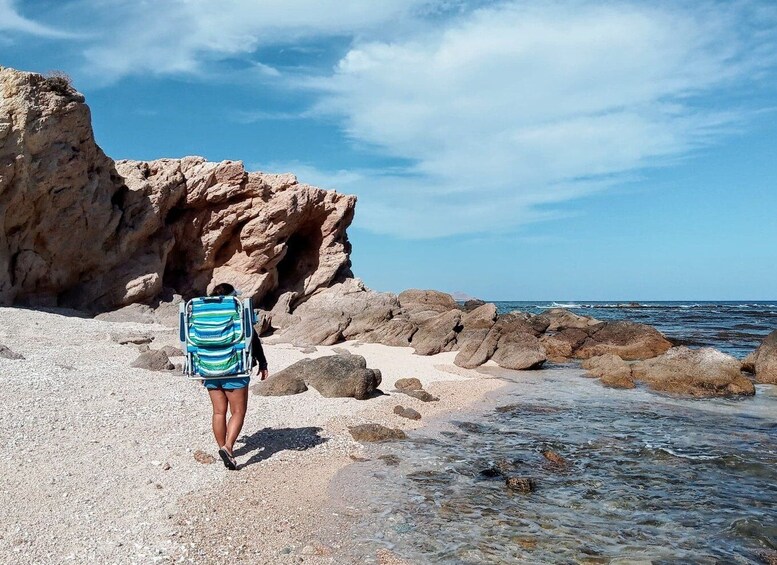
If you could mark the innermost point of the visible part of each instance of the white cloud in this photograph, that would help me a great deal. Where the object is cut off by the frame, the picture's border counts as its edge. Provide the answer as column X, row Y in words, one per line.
column 179, row 36
column 11, row 20
column 512, row 109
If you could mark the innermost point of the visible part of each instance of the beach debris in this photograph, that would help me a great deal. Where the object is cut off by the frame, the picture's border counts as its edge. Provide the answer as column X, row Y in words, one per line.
column 520, row 484
column 408, row 413
column 408, row 384
column 375, row 432
column 205, row 458
column 7, row 353
column 153, row 360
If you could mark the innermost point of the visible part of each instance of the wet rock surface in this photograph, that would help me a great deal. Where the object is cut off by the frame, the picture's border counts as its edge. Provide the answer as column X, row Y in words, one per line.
column 702, row 372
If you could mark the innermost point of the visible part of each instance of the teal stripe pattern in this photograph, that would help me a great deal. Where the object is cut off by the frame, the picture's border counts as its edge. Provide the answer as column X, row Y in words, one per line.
column 216, row 336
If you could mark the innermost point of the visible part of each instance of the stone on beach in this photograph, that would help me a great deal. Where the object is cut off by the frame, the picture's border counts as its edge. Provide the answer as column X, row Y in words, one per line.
column 421, row 395
column 410, row 383
column 408, row 413
column 375, row 432
column 702, row 372
column 204, row 458
column 7, row 353
column 334, row 376
column 153, row 360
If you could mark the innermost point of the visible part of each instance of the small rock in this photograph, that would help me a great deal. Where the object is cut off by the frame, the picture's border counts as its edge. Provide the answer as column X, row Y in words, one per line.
column 491, row 472
column 135, row 339
column 390, row 460
column 359, row 459
column 375, row 432
column 153, row 361
column 172, row 351
column 421, row 395
column 158, row 486
column 408, row 413
column 408, row 384
column 166, row 467
column 204, row 458
column 520, row 484
column 309, row 349
column 6, row 353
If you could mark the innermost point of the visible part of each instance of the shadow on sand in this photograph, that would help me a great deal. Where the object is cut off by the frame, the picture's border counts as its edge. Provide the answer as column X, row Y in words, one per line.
column 267, row 442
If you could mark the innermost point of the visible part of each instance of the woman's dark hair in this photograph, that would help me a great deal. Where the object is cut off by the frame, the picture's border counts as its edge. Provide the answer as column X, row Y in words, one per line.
column 222, row 289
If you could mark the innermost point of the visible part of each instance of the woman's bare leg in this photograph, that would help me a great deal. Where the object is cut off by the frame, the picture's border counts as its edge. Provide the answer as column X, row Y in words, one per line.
column 238, row 402
column 219, row 401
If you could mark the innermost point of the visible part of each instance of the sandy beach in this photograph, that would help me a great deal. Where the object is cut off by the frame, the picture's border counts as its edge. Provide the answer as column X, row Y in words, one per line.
column 98, row 458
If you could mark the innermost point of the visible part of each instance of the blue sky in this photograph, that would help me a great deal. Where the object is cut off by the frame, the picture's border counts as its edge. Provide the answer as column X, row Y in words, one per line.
column 568, row 150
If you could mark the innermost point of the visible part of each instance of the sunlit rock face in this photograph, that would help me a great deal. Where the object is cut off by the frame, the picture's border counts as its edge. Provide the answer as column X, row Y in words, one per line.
column 80, row 230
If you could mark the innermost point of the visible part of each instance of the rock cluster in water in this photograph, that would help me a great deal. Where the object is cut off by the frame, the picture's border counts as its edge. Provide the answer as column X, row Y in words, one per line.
column 81, row 230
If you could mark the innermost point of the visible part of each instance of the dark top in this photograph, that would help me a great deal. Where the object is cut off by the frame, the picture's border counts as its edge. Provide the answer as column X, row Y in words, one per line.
column 257, row 352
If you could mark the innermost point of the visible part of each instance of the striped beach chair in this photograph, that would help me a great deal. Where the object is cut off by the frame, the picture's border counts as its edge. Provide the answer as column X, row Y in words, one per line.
column 216, row 335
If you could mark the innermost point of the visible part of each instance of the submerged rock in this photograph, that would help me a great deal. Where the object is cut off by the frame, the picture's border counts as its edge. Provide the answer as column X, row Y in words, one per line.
column 520, row 484
column 375, row 432
column 702, row 372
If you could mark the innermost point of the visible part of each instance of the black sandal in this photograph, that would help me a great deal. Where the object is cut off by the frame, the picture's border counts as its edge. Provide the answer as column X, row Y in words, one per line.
column 229, row 461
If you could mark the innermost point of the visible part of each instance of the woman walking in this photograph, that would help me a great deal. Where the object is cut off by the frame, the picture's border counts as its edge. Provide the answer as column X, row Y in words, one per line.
column 232, row 394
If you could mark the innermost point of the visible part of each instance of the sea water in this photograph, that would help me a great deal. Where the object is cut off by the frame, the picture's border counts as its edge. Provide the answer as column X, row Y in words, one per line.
column 647, row 478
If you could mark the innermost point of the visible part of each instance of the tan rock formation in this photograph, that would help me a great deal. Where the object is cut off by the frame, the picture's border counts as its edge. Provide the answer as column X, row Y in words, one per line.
column 611, row 370
column 702, row 372
column 81, row 231
column 765, row 360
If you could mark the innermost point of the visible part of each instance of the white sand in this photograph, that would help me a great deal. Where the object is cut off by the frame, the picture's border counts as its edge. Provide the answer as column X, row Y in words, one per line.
column 85, row 440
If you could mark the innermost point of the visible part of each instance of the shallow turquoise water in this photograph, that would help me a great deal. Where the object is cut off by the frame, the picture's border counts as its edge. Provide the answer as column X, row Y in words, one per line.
column 648, row 478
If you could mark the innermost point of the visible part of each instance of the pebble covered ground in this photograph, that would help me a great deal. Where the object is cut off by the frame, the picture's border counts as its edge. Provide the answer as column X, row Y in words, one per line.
column 98, row 464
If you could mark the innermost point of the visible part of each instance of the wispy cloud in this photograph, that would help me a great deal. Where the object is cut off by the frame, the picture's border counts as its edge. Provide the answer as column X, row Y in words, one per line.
column 515, row 108
column 12, row 21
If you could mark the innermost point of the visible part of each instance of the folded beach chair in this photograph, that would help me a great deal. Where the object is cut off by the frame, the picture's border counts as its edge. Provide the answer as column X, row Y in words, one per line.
column 216, row 335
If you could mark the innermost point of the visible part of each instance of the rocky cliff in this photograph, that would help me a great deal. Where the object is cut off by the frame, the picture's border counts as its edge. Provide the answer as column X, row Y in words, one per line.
column 80, row 230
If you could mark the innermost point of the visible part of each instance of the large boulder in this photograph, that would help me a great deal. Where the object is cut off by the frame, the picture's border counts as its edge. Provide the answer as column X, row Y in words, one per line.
column 702, row 372
column 627, row 340
column 765, row 360
column 437, row 333
column 429, row 300
column 519, row 350
column 80, row 230
column 334, row 376
column 282, row 383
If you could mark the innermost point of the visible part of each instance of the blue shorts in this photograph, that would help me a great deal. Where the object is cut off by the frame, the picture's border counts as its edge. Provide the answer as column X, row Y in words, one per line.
column 233, row 383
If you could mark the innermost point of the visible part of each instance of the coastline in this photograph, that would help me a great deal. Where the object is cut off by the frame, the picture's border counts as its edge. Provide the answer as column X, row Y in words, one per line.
column 98, row 458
